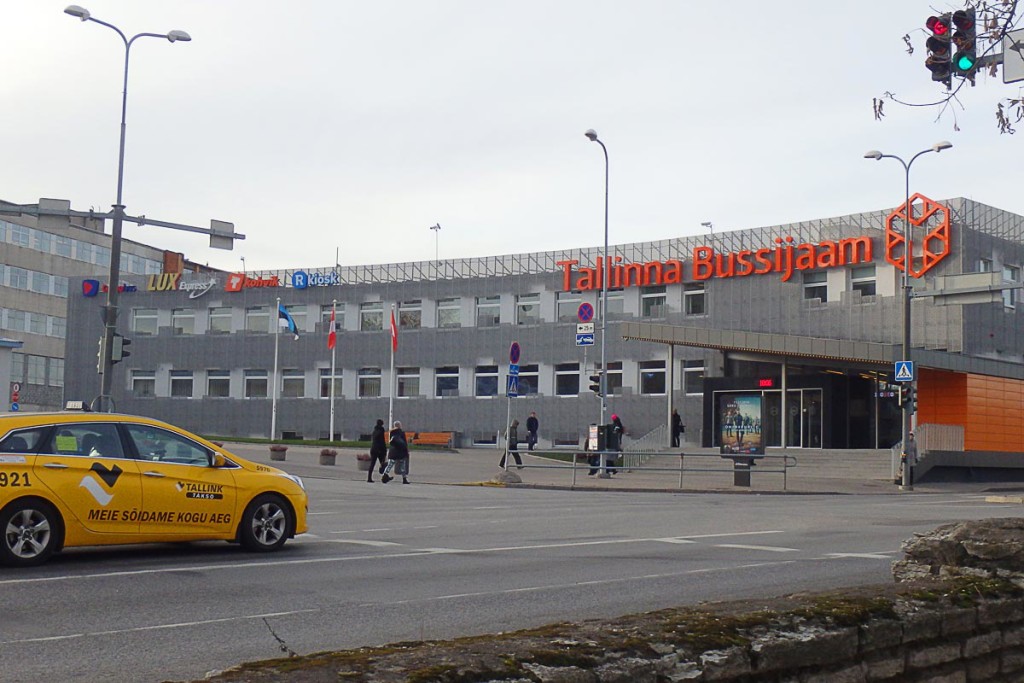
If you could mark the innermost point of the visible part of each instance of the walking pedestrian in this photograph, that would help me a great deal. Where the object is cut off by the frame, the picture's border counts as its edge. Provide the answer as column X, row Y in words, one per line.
column 617, row 432
column 910, row 458
column 532, row 425
column 677, row 427
column 512, row 445
column 378, row 449
column 398, row 455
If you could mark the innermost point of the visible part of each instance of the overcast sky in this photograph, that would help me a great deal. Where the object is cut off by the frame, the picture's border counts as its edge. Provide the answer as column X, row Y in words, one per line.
column 319, row 126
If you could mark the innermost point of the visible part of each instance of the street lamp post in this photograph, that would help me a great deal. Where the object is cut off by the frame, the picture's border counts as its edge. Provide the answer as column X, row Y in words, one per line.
column 437, row 232
column 907, row 259
column 592, row 136
column 110, row 310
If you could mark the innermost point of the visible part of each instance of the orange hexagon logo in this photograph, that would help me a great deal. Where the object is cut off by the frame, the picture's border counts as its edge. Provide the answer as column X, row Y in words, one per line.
column 930, row 216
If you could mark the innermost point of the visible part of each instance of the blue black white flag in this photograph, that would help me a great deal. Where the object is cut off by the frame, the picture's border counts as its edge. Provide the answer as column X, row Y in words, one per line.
column 285, row 319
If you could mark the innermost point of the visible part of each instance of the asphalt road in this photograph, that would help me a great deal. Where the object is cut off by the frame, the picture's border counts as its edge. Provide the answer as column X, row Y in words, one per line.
column 392, row 563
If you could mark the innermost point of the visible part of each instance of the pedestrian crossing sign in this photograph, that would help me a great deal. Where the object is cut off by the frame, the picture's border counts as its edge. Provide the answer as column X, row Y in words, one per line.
column 904, row 371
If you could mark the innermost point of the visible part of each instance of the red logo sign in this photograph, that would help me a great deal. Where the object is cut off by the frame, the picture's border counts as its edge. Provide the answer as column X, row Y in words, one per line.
column 934, row 219
column 238, row 281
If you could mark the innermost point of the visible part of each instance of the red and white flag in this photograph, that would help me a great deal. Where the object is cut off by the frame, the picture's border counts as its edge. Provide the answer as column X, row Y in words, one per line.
column 394, row 332
column 332, row 336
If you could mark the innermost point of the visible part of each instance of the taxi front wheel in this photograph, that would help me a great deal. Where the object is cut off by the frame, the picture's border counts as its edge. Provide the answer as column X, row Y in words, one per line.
column 31, row 531
column 266, row 524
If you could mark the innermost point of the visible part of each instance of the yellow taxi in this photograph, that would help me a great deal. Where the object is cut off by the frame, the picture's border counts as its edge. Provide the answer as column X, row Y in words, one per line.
column 72, row 478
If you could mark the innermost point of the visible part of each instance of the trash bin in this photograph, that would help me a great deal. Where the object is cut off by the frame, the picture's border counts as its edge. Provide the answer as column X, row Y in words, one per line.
column 741, row 469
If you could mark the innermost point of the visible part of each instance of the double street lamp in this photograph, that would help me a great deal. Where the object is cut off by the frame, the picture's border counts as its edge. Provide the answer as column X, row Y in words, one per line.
column 907, row 260
column 592, row 136
column 110, row 310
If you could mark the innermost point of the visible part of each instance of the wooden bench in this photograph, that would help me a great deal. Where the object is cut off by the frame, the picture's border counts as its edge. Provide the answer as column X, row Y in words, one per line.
column 443, row 439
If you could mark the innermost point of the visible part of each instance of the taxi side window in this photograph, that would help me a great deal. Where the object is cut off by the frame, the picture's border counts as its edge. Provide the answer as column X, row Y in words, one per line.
column 154, row 443
column 23, row 441
column 91, row 440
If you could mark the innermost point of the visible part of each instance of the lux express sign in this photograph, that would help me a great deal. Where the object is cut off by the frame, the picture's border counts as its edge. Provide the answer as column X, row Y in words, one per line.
column 784, row 258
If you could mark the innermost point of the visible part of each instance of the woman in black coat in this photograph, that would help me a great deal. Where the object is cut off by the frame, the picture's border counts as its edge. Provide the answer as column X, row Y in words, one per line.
column 398, row 455
column 378, row 449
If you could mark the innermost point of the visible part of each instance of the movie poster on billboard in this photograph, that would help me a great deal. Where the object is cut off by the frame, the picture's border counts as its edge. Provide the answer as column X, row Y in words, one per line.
column 739, row 424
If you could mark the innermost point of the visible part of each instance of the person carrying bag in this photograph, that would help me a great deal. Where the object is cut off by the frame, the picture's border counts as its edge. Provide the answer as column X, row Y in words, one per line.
column 398, row 455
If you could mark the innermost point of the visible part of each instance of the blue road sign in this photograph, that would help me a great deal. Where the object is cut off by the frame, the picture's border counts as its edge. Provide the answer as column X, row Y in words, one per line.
column 584, row 340
column 513, row 370
column 512, row 386
column 904, row 371
column 513, row 353
column 585, row 313
column 15, row 407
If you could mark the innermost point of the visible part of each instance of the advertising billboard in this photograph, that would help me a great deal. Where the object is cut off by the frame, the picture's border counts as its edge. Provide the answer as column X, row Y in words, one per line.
column 739, row 424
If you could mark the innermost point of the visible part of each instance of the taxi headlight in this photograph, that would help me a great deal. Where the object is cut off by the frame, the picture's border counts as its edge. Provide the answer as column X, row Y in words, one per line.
column 297, row 480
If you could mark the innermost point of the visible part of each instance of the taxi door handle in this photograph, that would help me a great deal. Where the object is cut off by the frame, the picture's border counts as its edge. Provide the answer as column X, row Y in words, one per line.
column 55, row 466
column 154, row 474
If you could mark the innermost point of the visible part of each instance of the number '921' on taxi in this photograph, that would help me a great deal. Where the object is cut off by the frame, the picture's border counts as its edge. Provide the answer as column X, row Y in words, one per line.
column 73, row 479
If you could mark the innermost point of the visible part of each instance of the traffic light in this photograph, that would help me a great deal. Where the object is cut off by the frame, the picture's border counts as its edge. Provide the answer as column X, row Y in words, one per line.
column 904, row 394
column 938, row 45
column 595, row 383
column 966, row 40
column 913, row 400
column 118, row 352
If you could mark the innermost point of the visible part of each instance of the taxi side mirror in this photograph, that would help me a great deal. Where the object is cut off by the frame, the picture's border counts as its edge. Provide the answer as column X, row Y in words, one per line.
column 218, row 460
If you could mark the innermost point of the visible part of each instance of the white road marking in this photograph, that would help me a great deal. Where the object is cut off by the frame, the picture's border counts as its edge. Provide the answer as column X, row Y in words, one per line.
column 768, row 548
column 674, row 540
column 356, row 541
column 156, row 627
column 863, row 556
column 257, row 564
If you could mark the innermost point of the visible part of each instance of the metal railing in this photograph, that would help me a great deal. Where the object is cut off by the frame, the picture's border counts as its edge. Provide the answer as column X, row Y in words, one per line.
column 639, row 451
column 780, row 464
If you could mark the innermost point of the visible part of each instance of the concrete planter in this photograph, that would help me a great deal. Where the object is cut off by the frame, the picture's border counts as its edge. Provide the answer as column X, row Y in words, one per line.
column 328, row 456
column 278, row 452
column 363, row 462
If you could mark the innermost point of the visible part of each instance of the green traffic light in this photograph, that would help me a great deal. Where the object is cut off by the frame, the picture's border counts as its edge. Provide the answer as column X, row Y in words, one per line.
column 964, row 62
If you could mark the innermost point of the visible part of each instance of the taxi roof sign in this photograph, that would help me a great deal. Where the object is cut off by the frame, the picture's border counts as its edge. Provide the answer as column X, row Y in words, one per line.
column 81, row 406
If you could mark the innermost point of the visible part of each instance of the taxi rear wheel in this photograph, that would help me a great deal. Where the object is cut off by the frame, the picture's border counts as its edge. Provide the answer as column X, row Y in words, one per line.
column 266, row 524
column 31, row 533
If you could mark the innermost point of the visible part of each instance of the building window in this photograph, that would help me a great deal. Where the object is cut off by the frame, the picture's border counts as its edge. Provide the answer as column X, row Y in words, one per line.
column 35, row 366
column 56, row 378
column 256, row 384
column 19, row 235
column 60, row 286
column 568, row 306
column 410, row 314
column 369, row 382
column 529, row 380
column 693, row 377
column 37, row 323
column 339, row 316
column 488, row 311
column 83, row 251
column 17, row 320
column 985, row 265
column 257, row 319
column 293, row 384
column 298, row 314
column 616, row 303
column 408, row 382
column 528, row 309
column 694, row 302
column 325, row 380
column 371, row 316
column 567, row 379
column 486, row 380
column 449, row 313
column 63, row 245
column 43, row 241
column 183, row 321
column 143, row 383
column 220, row 320
column 862, row 279
column 652, row 377
column 58, row 327
column 100, row 255
column 614, row 378
column 218, row 383
column 446, row 381
column 17, row 277
column 1010, row 274
column 17, row 367
column 652, row 302
column 815, row 286
column 144, row 320
column 40, row 283
column 181, row 384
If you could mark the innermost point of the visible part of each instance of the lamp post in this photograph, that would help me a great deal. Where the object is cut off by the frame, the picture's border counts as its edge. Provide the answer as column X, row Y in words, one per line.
column 110, row 310
column 592, row 136
column 907, row 259
column 437, row 232
column 244, row 271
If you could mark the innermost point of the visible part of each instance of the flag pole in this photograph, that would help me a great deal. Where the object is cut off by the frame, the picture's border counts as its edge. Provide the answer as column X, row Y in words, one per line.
column 334, row 308
column 273, row 402
column 391, row 381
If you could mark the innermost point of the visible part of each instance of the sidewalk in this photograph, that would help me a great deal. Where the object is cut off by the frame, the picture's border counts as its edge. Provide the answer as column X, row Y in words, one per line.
column 816, row 471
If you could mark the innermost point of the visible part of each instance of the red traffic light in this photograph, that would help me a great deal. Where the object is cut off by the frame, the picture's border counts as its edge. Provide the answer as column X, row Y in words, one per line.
column 938, row 25
column 962, row 20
